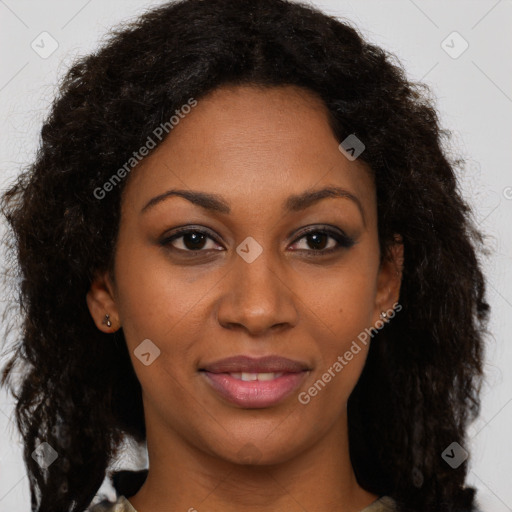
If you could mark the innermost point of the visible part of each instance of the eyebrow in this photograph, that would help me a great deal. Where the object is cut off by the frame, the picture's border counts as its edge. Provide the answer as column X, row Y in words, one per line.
column 294, row 203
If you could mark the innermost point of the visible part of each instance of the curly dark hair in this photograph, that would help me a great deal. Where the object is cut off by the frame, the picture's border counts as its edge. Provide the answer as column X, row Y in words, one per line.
column 420, row 387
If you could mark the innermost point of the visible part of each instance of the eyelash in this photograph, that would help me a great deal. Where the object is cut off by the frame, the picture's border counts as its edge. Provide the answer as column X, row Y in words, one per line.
column 344, row 241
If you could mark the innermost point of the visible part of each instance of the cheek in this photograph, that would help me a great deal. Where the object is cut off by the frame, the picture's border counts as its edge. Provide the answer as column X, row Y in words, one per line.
column 161, row 306
column 342, row 299
column 155, row 300
column 340, row 307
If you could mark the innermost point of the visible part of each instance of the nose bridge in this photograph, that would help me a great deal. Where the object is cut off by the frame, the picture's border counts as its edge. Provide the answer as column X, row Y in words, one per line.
column 256, row 296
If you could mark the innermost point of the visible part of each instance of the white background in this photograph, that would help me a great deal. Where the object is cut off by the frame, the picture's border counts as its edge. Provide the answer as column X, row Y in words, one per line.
column 473, row 95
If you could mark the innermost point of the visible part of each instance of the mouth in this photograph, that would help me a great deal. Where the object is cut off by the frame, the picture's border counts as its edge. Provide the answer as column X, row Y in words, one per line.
column 249, row 377
column 255, row 383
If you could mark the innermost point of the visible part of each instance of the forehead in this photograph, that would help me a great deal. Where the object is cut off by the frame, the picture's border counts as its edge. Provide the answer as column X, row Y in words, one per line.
column 262, row 143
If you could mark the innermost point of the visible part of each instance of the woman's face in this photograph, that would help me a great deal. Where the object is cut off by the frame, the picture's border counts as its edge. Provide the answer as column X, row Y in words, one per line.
column 247, row 280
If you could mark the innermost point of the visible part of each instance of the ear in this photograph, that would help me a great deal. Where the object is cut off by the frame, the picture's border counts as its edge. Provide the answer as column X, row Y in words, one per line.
column 101, row 301
column 389, row 279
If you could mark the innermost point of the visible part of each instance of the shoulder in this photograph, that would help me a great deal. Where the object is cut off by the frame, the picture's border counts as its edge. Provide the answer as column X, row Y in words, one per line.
column 120, row 505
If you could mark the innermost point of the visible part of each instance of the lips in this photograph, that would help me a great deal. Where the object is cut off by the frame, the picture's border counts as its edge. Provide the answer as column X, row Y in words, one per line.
column 245, row 364
column 254, row 383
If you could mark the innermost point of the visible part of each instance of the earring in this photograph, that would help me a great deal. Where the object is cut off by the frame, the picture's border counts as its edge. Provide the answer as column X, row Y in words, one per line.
column 107, row 321
column 383, row 315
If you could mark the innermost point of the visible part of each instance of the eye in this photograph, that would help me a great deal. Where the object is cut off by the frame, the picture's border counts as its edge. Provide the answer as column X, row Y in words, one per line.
column 196, row 240
column 318, row 241
column 190, row 240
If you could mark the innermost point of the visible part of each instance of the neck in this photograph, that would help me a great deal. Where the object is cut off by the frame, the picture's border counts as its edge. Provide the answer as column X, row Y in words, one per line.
column 182, row 477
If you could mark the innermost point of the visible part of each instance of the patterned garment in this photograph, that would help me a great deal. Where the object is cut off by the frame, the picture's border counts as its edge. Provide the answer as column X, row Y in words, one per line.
column 383, row 504
column 121, row 505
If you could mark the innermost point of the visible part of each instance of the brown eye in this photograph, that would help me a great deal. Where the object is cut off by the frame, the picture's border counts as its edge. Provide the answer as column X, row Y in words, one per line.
column 190, row 240
column 318, row 241
column 194, row 241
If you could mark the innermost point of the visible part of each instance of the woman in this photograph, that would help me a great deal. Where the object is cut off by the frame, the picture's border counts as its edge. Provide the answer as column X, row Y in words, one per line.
column 242, row 243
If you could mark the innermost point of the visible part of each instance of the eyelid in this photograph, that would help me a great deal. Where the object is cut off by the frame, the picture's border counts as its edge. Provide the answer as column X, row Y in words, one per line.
column 314, row 228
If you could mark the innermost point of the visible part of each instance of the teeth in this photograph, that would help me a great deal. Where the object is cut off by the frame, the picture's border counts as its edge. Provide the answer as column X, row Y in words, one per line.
column 255, row 376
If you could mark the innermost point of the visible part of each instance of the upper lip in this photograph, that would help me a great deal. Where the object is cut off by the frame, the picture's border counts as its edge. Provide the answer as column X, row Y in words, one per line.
column 246, row 364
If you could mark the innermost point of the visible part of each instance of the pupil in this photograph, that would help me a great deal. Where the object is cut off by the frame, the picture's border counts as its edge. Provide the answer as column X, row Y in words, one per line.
column 318, row 237
column 196, row 240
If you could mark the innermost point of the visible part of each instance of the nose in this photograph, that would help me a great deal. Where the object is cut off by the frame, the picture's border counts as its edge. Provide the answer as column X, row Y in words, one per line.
column 257, row 297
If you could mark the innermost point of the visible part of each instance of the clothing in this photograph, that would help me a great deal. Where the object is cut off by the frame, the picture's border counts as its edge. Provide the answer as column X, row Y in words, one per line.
column 383, row 504
column 121, row 505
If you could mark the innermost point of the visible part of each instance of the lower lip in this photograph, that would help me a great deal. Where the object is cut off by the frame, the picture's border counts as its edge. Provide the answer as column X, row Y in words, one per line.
column 254, row 394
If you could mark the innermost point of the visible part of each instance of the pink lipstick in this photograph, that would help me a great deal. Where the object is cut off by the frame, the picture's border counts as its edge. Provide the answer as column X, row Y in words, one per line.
column 255, row 382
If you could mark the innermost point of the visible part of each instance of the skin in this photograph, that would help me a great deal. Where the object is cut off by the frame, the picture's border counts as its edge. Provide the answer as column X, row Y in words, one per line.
column 255, row 147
